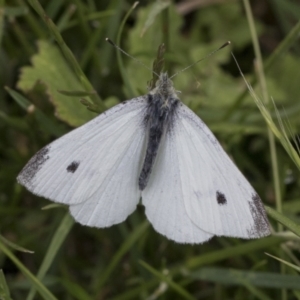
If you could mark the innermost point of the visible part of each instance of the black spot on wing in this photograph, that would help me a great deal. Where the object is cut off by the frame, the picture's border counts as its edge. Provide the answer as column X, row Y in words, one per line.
column 261, row 224
column 33, row 166
column 72, row 167
column 221, row 198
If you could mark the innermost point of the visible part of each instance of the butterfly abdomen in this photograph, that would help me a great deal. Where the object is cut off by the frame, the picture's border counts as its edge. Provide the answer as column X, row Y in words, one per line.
column 158, row 120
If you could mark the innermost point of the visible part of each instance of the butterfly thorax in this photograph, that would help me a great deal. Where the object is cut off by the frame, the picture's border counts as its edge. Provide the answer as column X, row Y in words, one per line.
column 158, row 120
column 164, row 87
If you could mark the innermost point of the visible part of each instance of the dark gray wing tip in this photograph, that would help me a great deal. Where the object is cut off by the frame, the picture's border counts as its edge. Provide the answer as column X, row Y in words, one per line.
column 26, row 176
column 261, row 225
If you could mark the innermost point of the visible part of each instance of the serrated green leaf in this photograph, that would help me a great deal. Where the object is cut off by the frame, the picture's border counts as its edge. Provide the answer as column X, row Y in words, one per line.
column 50, row 68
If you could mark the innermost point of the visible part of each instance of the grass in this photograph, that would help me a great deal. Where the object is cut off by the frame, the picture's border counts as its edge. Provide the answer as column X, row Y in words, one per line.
column 57, row 72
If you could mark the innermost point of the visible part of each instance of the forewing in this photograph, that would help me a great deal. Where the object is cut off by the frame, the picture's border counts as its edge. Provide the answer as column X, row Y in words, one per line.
column 163, row 198
column 94, row 168
column 216, row 195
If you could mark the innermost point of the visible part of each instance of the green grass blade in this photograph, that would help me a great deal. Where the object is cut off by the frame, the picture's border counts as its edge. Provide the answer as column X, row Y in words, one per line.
column 56, row 243
column 129, row 242
column 236, row 277
column 46, row 123
column 131, row 92
column 74, row 290
column 256, row 292
column 37, row 284
column 4, row 290
column 287, row 42
column 14, row 246
column 285, row 262
column 66, row 51
column 234, row 251
column 279, row 217
column 176, row 287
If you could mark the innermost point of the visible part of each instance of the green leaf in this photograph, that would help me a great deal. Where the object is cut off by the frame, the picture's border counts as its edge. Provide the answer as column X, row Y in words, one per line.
column 49, row 68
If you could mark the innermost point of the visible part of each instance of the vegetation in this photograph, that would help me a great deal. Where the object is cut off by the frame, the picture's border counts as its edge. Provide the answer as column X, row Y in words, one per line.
column 57, row 72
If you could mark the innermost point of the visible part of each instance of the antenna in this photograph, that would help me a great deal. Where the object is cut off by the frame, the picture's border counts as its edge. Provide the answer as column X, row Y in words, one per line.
column 138, row 61
column 210, row 54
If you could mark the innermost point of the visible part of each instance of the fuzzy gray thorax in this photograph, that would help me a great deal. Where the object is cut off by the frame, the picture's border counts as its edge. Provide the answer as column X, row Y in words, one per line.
column 164, row 87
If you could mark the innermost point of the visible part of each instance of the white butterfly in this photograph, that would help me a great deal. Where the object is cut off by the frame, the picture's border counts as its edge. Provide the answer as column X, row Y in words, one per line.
column 152, row 148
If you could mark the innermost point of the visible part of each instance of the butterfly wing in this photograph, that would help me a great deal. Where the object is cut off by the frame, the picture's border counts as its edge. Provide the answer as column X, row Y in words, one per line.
column 196, row 191
column 216, row 195
column 163, row 198
column 95, row 167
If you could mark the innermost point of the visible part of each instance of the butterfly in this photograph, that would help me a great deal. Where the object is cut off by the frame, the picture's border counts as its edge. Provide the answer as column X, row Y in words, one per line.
column 151, row 149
